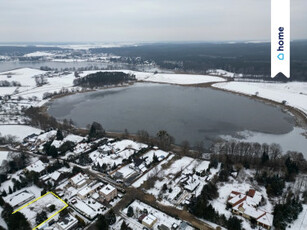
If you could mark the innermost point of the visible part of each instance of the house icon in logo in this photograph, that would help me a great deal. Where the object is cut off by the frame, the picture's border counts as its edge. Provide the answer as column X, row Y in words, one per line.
column 281, row 56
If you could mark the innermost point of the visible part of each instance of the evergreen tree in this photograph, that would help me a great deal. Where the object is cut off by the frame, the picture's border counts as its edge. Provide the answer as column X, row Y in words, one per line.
column 59, row 135
column 102, row 223
column 41, row 217
column 124, row 226
column 111, row 218
column 10, row 190
column 130, row 212
column 96, row 131
column 264, row 158
column 234, row 223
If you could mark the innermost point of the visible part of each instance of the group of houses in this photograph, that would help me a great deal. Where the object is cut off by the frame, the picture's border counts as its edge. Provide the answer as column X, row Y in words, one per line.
column 247, row 205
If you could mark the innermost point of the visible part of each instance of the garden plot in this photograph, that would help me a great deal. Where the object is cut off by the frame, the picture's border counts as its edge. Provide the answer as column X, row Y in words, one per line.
column 44, row 203
column 161, row 218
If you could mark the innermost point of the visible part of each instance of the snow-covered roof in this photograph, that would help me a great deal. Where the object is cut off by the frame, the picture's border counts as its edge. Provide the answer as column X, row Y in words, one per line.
column 251, row 211
column 46, row 136
column 55, row 175
column 37, row 166
column 86, row 190
column 85, row 209
column 266, row 219
column 20, row 198
column 95, row 196
column 67, row 222
column 78, row 178
column 192, row 183
column 237, row 198
column 149, row 219
column 57, row 143
column 204, row 165
column 107, row 189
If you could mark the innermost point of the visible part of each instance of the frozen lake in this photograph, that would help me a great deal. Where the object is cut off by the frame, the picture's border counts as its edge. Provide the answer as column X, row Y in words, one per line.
column 187, row 113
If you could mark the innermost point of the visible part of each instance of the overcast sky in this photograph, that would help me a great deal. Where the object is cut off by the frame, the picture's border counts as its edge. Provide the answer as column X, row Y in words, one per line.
column 142, row 20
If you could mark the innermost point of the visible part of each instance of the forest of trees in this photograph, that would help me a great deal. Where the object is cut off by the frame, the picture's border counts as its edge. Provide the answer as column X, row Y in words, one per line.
column 246, row 58
column 101, row 79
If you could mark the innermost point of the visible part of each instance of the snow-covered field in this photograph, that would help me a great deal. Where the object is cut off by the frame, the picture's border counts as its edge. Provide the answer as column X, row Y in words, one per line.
column 181, row 79
column 24, row 76
column 19, row 131
column 294, row 93
column 38, row 54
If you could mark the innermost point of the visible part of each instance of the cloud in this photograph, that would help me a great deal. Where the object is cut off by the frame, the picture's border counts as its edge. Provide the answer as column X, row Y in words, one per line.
column 142, row 20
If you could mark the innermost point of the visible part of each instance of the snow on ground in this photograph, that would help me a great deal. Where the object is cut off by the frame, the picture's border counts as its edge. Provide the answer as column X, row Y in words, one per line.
column 162, row 218
column 3, row 156
column 36, row 191
column 38, row 54
column 179, row 165
column 46, row 136
column 7, row 90
column 152, row 172
column 71, row 137
column 2, row 222
column 301, row 222
column 182, row 79
column 159, row 154
column 129, row 144
column 223, row 73
column 225, row 189
column 55, row 84
column 9, row 183
column 295, row 93
column 41, row 204
column 20, row 131
column 68, row 60
column 293, row 140
column 24, row 76
column 126, row 171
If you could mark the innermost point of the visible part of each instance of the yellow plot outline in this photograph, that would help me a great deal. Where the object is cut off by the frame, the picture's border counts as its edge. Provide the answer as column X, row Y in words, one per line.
column 66, row 205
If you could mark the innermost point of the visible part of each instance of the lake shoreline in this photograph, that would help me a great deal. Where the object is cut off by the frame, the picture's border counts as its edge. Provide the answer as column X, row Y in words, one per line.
column 298, row 118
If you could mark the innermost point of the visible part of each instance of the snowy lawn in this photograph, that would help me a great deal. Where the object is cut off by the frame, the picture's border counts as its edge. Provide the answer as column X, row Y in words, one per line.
column 152, row 172
column 40, row 205
column 162, row 218
column 20, row 131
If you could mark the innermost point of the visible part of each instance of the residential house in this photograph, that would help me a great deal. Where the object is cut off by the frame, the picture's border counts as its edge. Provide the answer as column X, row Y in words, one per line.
column 20, row 199
column 67, row 223
column 78, row 180
column 246, row 205
column 149, row 220
column 108, row 192
column 38, row 167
